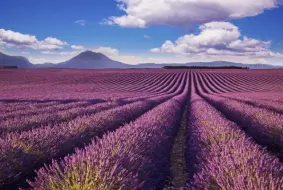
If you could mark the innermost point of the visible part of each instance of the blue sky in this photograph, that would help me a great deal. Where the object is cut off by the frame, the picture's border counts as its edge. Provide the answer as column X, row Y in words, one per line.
column 138, row 31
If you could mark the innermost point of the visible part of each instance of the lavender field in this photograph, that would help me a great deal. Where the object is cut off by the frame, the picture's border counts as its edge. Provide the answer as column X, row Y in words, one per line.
column 149, row 129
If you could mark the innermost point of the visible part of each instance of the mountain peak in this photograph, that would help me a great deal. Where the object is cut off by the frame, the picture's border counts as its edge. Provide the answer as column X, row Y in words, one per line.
column 90, row 55
column 90, row 59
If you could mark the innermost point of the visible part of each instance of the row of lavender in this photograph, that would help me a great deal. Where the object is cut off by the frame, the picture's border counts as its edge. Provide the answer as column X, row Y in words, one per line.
column 261, row 120
column 143, row 161
column 78, row 85
column 219, row 84
column 245, row 81
column 48, row 114
column 135, row 156
column 158, row 86
column 23, row 151
column 221, row 156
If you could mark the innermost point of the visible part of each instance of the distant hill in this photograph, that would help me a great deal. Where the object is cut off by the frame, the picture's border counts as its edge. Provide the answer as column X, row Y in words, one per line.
column 14, row 61
column 92, row 60
column 231, row 64
column 203, row 67
column 209, row 64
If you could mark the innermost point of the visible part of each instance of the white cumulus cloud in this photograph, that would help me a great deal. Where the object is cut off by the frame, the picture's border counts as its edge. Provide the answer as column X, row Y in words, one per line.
column 218, row 39
column 141, row 13
column 15, row 39
column 126, row 21
column 54, row 41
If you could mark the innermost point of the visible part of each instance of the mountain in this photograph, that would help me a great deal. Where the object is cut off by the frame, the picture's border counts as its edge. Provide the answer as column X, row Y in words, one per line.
column 92, row 60
column 14, row 61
